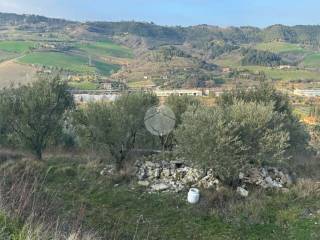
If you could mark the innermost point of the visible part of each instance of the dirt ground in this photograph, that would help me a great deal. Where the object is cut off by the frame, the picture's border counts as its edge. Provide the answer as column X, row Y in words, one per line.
column 13, row 73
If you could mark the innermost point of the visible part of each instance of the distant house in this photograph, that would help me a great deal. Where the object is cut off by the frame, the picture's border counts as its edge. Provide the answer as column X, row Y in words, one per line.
column 226, row 70
column 281, row 67
column 106, row 85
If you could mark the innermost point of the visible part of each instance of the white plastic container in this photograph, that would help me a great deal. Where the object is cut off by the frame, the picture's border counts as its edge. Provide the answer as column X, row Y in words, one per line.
column 193, row 195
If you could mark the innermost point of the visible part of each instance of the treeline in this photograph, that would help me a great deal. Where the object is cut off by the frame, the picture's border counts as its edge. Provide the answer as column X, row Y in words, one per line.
column 246, row 128
column 261, row 58
column 197, row 36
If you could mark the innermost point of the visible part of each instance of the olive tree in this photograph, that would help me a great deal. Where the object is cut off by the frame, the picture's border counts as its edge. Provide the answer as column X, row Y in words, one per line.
column 230, row 139
column 118, row 125
column 179, row 105
column 265, row 93
column 34, row 113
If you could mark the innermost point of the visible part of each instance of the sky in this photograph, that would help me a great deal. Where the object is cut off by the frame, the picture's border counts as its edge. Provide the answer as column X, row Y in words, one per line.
column 260, row 13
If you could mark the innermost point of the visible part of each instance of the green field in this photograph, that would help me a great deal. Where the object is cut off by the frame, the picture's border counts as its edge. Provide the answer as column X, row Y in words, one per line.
column 285, row 75
column 106, row 48
column 16, row 46
column 74, row 63
column 280, row 47
column 229, row 60
column 86, row 85
column 312, row 60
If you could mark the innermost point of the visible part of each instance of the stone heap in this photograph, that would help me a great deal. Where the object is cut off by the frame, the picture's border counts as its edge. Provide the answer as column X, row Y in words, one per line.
column 267, row 177
column 173, row 176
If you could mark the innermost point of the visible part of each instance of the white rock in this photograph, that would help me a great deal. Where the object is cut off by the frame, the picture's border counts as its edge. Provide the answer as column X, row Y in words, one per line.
column 166, row 173
column 160, row 187
column 144, row 183
column 243, row 192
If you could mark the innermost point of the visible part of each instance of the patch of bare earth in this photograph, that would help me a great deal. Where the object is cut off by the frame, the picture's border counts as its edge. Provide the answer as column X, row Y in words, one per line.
column 13, row 73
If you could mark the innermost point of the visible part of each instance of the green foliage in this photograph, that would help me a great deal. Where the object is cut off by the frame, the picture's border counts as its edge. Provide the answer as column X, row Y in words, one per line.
column 180, row 104
column 34, row 113
column 262, row 58
column 216, row 49
column 118, row 126
column 266, row 94
column 168, row 53
column 230, row 139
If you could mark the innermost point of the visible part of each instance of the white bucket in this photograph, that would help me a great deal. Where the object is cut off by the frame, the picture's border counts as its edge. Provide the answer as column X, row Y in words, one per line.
column 193, row 196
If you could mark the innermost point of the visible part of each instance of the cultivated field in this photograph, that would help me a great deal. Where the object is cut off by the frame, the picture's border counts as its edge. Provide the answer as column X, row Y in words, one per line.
column 105, row 48
column 281, row 47
column 71, row 62
column 312, row 60
column 16, row 46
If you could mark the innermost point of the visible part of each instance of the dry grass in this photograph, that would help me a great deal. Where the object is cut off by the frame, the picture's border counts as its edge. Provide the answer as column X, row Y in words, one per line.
column 22, row 197
column 305, row 188
column 12, row 73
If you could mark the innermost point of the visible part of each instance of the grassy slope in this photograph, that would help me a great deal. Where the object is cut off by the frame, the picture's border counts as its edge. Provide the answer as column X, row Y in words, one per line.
column 285, row 75
column 106, row 48
column 16, row 46
column 11, row 229
column 312, row 60
column 123, row 211
column 73, row 63
column 280, row 47
column 86, row 85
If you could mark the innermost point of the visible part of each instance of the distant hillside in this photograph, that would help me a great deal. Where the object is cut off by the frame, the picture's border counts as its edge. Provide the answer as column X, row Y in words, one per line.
column 143, row 53
column 165, row 35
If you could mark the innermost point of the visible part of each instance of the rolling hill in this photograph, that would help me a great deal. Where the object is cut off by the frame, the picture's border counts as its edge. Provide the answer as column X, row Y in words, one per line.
column 169, row 57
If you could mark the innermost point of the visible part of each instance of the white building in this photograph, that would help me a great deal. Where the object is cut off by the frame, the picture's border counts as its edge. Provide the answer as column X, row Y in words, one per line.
column 178, row 92
column 85, row 98
column 307, row 92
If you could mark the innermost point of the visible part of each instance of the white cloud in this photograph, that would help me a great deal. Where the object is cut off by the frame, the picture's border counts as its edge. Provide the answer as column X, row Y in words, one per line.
column 22, row 6
column 10, row 6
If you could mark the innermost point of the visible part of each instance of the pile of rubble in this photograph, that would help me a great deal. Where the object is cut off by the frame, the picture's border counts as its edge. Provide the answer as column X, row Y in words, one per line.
column 268, row 177
column 173, row 176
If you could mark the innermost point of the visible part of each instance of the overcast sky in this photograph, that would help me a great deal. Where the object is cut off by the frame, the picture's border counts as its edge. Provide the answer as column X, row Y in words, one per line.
column 259, row 13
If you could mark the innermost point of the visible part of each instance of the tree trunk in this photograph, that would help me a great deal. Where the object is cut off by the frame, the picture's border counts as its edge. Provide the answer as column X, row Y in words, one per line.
column 39, row 153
